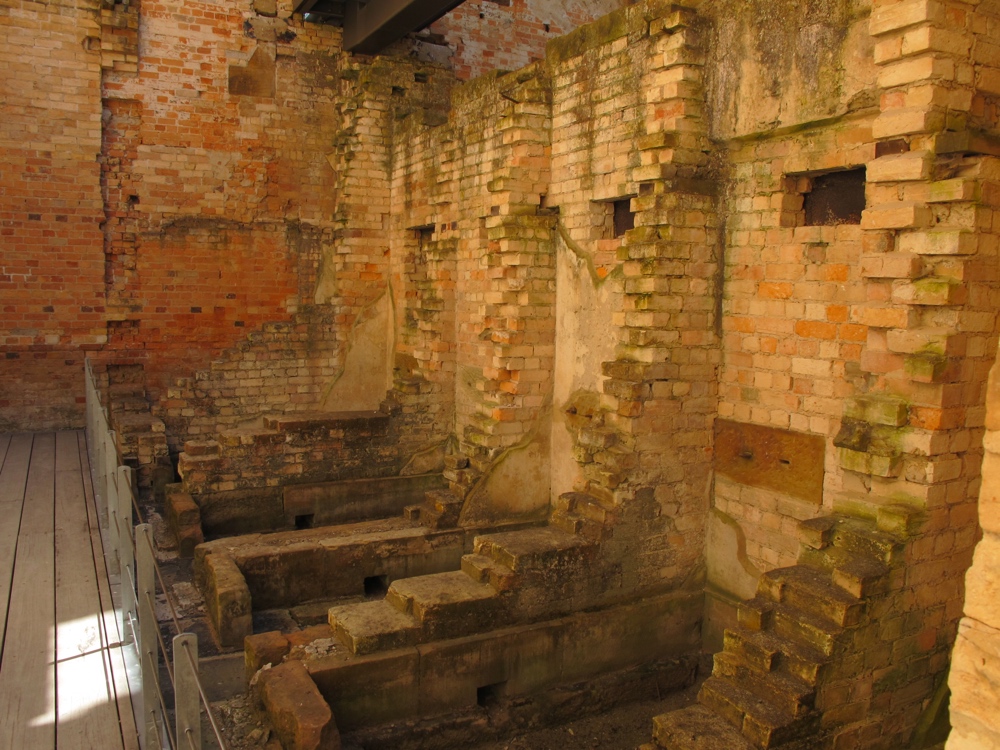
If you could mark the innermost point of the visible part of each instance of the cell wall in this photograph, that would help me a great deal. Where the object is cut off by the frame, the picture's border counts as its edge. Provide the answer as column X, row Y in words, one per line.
column 51, row 262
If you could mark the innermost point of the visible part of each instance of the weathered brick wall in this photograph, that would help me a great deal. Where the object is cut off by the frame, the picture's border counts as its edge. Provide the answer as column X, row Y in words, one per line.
column 791, row 322
column 487, row 35
column 973, row 679
column 51, row 264
column 216, row 182
column 793, row 333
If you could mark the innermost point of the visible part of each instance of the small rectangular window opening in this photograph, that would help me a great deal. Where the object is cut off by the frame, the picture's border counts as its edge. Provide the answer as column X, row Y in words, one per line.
column 304, row 521
column 624, row 217
column 489, row 696
column 425, row 235
column 376, row 587
column 834, row 198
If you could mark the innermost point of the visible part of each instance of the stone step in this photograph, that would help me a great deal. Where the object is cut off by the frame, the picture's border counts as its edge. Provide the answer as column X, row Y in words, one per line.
column 487, row 570
column 201, row 448
column 527, row 549
column 130, row 404
column 813, row 590
column 373, row 626
column 448, row 605
column 130, row 424
column 767, row 652
column 755, row 614
column 697, row 728
column 587, row 506
column 861, row 538
column 119, row 391
column 762, row 723
column 786, row 691
column 858, row 575
column 439, row 510
column 574, row 523
column 805, row 627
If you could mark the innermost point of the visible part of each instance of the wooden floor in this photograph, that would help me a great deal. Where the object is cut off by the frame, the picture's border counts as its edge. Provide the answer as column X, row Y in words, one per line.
column 62, row 676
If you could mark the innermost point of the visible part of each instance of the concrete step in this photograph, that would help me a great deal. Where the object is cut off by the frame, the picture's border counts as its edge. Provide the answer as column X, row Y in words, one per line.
column 786, row 691
column 450, row 602
column 805, row 628
column 527, row 549
column 373, row 626
column 697, row 728
column 767, row 652
column 764, row 724
column 487, row 570
column 813, row 590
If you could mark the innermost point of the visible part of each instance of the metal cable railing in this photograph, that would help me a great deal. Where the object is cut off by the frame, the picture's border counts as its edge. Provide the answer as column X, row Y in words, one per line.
column 140, row 573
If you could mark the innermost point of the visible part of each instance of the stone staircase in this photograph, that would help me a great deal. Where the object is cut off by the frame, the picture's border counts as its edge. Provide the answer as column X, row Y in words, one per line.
column 141, row 436
column 510, row 577
column 804, row 633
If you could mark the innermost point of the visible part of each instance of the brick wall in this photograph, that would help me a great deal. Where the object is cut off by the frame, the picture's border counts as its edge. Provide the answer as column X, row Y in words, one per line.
column 51, row 264
column 487, row 35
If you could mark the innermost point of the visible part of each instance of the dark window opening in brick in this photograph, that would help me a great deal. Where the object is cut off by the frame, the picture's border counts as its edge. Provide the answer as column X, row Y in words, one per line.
column 304, row 521
column 376, row 587
column 425, row 235
column 835, row 198
column 488, row 696
column 624, row 217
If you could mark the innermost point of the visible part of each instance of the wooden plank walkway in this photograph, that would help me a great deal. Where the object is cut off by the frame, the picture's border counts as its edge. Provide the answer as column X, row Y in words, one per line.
column 62, row 674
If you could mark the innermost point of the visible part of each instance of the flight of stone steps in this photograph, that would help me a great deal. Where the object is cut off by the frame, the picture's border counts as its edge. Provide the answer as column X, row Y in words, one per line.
column 511, row 577
column 804, row 632
column 141, row 436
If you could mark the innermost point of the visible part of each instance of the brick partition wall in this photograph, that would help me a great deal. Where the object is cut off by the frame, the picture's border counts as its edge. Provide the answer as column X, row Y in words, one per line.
column 230, row 143
column 51, row 261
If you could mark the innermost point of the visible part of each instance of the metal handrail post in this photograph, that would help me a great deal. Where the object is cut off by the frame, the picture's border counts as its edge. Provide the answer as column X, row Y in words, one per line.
column 148, row 647
column 187, row 701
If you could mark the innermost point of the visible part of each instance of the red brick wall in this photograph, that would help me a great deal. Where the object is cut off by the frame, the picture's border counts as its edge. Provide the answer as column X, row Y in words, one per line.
column 51, row 262
column 508, row 34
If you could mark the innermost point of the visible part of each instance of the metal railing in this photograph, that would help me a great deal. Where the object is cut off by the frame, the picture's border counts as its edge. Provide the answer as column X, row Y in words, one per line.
column 133, row 555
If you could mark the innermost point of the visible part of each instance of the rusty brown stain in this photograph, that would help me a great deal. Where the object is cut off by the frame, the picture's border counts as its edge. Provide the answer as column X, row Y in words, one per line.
column 771, row 458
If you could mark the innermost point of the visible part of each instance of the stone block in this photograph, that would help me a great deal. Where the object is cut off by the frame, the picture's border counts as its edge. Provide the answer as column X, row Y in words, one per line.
column 938, row 243
column 895, row 16
column 301, row 718
column 184, row 519
column 902, row 215
column 910, row 166
column 227, row 598
column 263, row 648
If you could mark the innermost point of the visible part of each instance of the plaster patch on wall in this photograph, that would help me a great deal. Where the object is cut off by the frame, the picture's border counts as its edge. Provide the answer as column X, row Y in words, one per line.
column 585, row 337
column 729, row 567
column 515, row 488
column 364, row 380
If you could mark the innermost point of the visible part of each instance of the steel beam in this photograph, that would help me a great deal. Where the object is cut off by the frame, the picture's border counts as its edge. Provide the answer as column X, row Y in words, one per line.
column 378, row 23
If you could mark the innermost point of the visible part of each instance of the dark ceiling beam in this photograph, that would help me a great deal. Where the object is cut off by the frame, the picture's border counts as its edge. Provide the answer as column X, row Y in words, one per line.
column 371, row 28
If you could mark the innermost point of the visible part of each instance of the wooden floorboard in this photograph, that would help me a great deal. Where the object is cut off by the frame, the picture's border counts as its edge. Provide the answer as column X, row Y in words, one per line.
column 27, row 668
column 114, row 657
column 13, row 476
column 86, row 714
column 62, row 672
